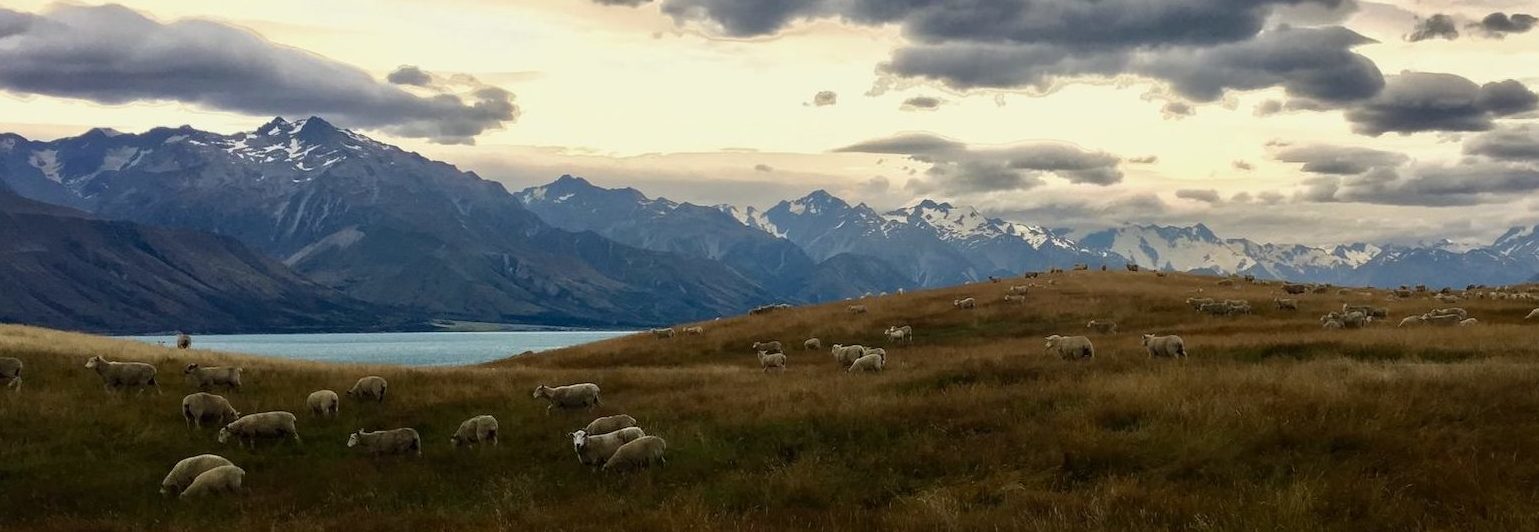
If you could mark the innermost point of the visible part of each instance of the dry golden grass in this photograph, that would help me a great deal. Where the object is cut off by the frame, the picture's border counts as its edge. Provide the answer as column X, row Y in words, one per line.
column 1271, row 424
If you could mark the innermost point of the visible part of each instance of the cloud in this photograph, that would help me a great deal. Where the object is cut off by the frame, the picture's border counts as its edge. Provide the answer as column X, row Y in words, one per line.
column 626, row 3
column 1177, row 110
column 410, row 75
column 921, row 103
column 1515, row 143
column 114, row 55
column 1146, row 159
column 1440, row 185
column 1498, row 25
column 1420, row 101
column 1208, row 196
column 959, row 169
column 1437, row 26
column 1242, row 166
column 876, row 185
column 1339, row 160
column 761, row 167
column 825, row 98
column 1241, row 197
column 1268, row 108
column 1271, row 197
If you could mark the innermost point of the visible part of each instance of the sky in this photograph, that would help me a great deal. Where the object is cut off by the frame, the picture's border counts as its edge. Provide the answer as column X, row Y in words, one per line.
column 1298, row 121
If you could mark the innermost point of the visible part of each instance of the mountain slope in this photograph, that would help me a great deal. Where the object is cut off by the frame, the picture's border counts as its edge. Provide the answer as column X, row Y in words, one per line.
column 995, row 247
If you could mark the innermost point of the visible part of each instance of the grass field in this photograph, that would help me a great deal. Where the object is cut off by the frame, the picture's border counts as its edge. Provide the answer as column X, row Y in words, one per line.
column 1271, row 424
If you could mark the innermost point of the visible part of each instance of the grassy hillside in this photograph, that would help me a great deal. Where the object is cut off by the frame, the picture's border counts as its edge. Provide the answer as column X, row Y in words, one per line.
column 1272, row 423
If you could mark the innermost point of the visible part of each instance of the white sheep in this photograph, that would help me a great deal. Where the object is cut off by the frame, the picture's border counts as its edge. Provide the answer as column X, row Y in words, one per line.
column 768, row 347
column 1468, row 322
column 847, row 354
column 965, row 303
column 856, row 309
column 663, row 333
column 1333, row 324
column 123, row 374
column 1018, row 290
column 1102, row 326
column 393, row 441
column 900, row 334
column 370, row 387
column 323, row 403
column 770, row 361
column 870, row 363
column 200, row 406
column 694, row 331
column 1071, row 347
column 10, row 372
column 585, row 395
column 1442, row 320
column 479, row 429
column 207, row 378
column 185, row 471
column 811, row 344
column 1017, row 299
column 608, row 424
column 1454, row 311
column 1531, row 315
column 640, row 452
column 1165, row 346
column 222, row 479
column 1286, row 304
column 251, row 427
column 876, row 351
column 1197, row 302
column 1412, row 321
column 596, row 449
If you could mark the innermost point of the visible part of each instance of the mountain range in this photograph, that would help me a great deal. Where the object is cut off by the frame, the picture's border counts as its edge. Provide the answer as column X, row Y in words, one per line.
column 321, row 225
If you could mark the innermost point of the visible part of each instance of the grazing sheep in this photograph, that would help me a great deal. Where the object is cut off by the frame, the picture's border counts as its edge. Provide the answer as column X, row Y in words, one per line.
column 123, row 374
column 595, row 449
column 641, row 452
column 10, row 372
column 1356, row 320
column 1402, row 293
column 1018, row 290
column 812, row 343
column 1286, row 304
column 772, row 361
column 222, row 479
column 870, row 363
column 876, row 351
column 1102, row 326
column 900, row 334
column 1294, row 289
column 207, row 378
column 250, row 427
column 1197, row 302
column 1011, row 298
column 185, row 471
column 479, row 429
column 370, row 387
column 1216, row 309
column 608, row 424
column 694, row 331
column 1071, row 347
column 965, row 303
column 663, row 333
column 846, row 355
column 1165, row 346
column 183, row 341
column 1442, row 320
column 393, row 441
column 856, row 309
column 1131, row 267
column 202, row 406
column 585, row 395
column 1468, row 322
column 1455, row 311
column 768, row 347
column 1412, row 321
column 1531, row 315
column 323, row 403
column 1349, row 308
column 1333, row 324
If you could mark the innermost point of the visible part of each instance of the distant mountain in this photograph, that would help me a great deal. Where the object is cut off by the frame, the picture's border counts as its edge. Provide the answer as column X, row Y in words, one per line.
column 375, row 222
column 63, row 268
column 994, row 246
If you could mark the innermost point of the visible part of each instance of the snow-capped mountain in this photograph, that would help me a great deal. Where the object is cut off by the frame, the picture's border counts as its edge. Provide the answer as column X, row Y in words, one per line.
column 995, row 246
column 1197, row 248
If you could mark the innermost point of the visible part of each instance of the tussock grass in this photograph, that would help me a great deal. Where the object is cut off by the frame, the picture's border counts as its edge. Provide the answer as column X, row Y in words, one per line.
column 1271, row 424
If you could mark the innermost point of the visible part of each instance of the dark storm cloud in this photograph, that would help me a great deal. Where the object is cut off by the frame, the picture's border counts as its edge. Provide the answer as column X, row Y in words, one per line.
column 825, row 98
column 958, row 168
column 409, row 75
column 921, row 103
column 1339, row 160
column 1515, row 143
column 1209, row 196
column 1499, row 24
column 1419, row 101
column 1437, row 26
column 112, row 54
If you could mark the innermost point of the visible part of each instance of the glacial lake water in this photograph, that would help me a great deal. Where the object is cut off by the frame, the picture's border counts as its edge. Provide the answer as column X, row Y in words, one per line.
column 406, row 349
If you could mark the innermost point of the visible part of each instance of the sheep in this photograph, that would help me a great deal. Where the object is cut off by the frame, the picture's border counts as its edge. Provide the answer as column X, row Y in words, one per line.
column 1468, row 322
column 811, row 344
column 846, row 355
column 1286, row 304
column 1402, row 293
column 1071, row 347
column 10, row 372
column 1216, row 309
column 250, row 427
column 1018, row 290
column 608, row 424
column 185, row 471
column 870, row 363
column 479, row 429
column 770, row 361
column 595, row 449
column 1081, row 267
column 1102, row 326
column 393, row 441
column 1455, row 311
column 1165, row 346
column 123, row 374
column 183, row 341
column 323, row 403
column 876, row 351
column 1011, row 298
column 1131, row 267
column 1531, row 315
column 1294, row 288
column 663, row 333
column 1349, row 308
column 694, row 331
column 370, row 387
column 207, row 378
column 900, row 334
column 856, row 309
column 1356, row 320
column 772, row 346
column 763, row 309
column 206, row 406
column 967, row 303
column 222, row 479
column 1442, row 320
column 1333, row 324
column 640, row 452
column 1412, row 321
column 1197, row 302
column 585, row 395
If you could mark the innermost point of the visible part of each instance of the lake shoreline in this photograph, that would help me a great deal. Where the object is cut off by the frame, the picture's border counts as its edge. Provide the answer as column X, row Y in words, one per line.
column 418, row 349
